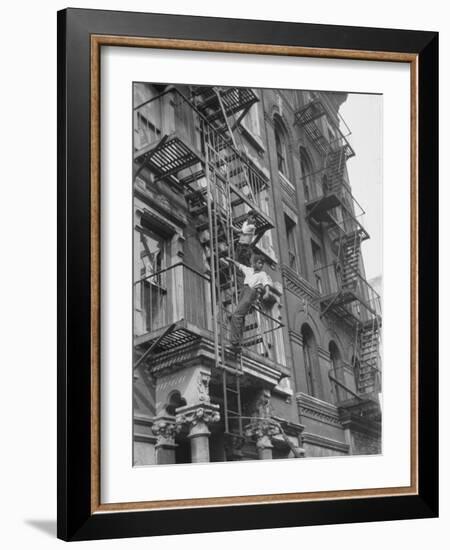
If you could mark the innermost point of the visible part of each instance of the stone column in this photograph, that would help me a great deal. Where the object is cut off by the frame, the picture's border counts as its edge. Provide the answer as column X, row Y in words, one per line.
column 261, row 430
column 196, row 419
column 164, row 428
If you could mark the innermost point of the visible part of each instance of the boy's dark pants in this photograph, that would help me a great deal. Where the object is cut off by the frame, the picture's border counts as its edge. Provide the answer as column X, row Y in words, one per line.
column 247, row 298
column 244, row 253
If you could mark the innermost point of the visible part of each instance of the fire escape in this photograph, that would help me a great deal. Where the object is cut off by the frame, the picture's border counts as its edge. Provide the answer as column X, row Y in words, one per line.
column 220, row 185
column 348, row 296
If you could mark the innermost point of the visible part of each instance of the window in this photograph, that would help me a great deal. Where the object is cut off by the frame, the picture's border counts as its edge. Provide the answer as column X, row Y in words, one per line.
column 153, row 295
column 291, row 242
column 147, row 115
column 317, row 263
column 281, row 149
column 151, row 255
column 311, row 362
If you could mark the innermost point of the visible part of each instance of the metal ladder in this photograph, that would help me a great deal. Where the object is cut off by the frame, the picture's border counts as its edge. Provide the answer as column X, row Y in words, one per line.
column 219, row 171
column 223, row 277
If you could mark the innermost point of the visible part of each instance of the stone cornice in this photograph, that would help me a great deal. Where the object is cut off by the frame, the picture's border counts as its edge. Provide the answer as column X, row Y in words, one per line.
column 328, row 443
column 316, row 409
column 201, row 352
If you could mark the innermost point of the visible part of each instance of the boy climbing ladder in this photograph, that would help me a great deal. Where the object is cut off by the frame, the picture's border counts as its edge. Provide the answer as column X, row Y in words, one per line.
column 256, row 282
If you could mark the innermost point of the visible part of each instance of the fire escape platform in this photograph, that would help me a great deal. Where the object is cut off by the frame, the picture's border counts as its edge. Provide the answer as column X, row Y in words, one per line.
column 319, row 208
column 364, row 407
column 183, row 333
column 306, row 118
column 234, row 100
column 263, row 220
column 338, row 301
column 168, row 155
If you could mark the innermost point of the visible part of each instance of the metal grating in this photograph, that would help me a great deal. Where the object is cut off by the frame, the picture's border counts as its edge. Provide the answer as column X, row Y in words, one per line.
column 234, row 100
column 178, row 337
column 168, row 156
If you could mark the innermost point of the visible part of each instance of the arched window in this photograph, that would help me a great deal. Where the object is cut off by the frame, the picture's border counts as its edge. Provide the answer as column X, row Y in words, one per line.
column 307, row 178
column 281, row 148
column 311, row 362
column 174, row 401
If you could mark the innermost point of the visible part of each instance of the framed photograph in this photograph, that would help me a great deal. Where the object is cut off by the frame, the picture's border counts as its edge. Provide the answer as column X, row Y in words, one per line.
column 247, row 274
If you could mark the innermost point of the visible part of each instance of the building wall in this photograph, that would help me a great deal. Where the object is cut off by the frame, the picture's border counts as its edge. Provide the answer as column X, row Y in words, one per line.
column 292, row 249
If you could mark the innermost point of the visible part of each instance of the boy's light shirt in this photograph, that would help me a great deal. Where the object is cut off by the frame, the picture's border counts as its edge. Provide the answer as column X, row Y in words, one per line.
column 247, row 233
column 254, row 279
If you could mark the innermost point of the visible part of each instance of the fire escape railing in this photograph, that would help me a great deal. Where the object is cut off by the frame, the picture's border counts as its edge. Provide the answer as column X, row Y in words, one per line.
column 308, row 117
column 155, row 146
column 347, row 293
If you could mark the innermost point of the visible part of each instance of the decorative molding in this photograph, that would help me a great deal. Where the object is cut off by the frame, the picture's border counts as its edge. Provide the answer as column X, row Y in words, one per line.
column 319, row 410
column 164, row 428
column 321, row 441
column 203, row 379
column 190, row 416
column 201, row 352
column 262, row 430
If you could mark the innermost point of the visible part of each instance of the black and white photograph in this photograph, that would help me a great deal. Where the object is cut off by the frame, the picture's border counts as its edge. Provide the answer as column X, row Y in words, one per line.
column 257, row 274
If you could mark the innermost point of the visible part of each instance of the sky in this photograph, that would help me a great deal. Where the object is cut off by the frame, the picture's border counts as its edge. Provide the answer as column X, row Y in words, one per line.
column 363, row 115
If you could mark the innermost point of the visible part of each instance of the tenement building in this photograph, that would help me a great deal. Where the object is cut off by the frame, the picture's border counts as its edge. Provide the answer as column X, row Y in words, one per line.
column 306, row 381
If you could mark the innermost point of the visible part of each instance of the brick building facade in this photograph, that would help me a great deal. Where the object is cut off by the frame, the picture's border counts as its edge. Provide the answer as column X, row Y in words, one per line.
column 307, row 382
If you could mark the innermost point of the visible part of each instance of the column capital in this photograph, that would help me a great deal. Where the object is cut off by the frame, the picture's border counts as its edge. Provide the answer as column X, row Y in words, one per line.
column 164, row 428
column 196, row 418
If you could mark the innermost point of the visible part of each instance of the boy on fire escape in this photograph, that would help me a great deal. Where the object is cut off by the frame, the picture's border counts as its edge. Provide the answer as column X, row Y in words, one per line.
column 256, row 286
column 244, row 247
